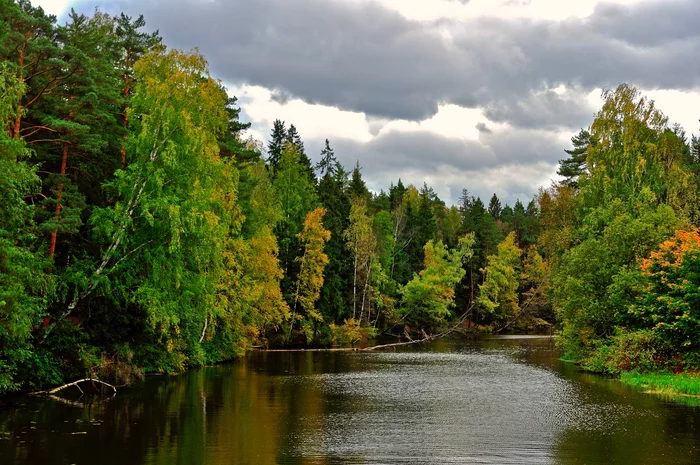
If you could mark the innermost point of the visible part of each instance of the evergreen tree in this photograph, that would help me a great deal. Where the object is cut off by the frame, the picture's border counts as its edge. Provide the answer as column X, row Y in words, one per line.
column 381, row 201
column 328, row 163
column 465, row 201
column 131, row 44
column 357, row 187
column 85, row 129
column 575, row 166
column 396, row 194
column 24, row 284
column 531, row 225
column 297, row 198
column 275, row 147
column 294, row 139
column 231, row 143
column 495, row 207
column 519, row 222
column 31, row 46
column 332, row 194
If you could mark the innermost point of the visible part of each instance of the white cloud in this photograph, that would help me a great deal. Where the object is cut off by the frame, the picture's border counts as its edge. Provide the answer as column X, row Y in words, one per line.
column 540, row 122
column 680, row 107
column 463, row 9
column 312, row 121
column 54, row 7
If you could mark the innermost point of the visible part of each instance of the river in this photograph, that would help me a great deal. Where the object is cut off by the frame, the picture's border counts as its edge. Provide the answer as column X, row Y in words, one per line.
column 500, row 400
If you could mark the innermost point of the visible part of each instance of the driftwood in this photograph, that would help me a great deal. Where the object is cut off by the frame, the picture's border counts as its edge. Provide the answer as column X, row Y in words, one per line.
column 50, row 392
column 426, row 338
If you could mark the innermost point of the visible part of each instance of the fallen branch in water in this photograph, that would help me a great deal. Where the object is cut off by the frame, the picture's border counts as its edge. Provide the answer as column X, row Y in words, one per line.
column 426, row 338
column 50, row 392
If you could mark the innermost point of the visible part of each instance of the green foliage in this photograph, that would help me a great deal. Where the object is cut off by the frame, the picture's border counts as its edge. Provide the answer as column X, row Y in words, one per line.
column 575, row 166
column 625, row 351
column 24, row 284
column 297, row 198
column 498, row 296
column 426, row 299
column 668, row 295
column 311, row 265
column 637, row 191
column 349, row 333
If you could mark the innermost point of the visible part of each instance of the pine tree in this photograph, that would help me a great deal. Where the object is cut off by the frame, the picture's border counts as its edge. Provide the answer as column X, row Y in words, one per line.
column 131, row 44
column 85, row 128
column 575, row 166
column 23, row 280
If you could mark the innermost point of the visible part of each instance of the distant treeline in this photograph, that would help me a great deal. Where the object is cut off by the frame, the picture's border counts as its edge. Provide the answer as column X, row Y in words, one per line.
column 140, row 229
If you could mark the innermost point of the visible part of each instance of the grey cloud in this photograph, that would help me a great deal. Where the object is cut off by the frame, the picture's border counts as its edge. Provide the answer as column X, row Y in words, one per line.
column 543, row 110
column 648, row 25
column 512, row 164
column 361, row 56
column 481, row 127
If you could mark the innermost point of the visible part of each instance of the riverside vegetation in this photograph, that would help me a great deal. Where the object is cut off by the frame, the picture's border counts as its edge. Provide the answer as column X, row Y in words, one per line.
column 140, row 230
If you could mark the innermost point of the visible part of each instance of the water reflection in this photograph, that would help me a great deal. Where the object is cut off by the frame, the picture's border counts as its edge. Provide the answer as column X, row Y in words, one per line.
column 501, row 400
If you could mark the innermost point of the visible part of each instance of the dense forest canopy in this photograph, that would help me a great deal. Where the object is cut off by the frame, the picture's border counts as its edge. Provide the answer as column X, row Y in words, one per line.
column 140, row 229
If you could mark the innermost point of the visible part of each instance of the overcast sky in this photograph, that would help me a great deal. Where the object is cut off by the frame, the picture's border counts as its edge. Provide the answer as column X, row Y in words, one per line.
column 476, row 94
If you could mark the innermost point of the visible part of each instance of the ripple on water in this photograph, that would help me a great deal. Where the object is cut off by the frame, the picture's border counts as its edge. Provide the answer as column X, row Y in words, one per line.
column 469, row 407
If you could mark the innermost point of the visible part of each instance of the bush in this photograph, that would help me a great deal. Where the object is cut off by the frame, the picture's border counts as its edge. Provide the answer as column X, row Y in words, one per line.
column 625, row 351
column 349, row 332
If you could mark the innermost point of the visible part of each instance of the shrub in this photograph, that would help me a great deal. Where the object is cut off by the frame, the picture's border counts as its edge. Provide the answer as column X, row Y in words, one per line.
column 625, row 351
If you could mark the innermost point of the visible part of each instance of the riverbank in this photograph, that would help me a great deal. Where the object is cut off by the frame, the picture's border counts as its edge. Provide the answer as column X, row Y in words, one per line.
column 664, row 382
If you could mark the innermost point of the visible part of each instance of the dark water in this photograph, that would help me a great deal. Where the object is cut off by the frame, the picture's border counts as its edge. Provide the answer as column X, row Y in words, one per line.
column 502, row 401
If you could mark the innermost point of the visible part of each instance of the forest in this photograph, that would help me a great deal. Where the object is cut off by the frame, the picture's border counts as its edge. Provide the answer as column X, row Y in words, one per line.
column 142, row 230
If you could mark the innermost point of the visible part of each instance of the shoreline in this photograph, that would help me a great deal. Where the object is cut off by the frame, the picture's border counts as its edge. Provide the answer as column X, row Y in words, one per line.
column 664, row 383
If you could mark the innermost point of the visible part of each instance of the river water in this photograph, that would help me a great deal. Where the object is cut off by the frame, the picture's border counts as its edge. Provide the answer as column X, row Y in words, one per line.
column 502, row 400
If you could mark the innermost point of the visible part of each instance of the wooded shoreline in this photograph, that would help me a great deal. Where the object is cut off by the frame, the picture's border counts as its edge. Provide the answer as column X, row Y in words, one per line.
column 142, row 229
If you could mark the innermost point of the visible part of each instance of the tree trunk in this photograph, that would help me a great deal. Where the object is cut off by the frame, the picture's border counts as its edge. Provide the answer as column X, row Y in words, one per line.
column 354, row 287
column 18, row 118
column 126, row 114
column 54, row 233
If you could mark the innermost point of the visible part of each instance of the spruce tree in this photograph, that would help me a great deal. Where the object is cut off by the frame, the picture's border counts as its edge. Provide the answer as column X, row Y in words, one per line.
column 495, row 207
column 357, row 187
column 334, row 300
column 275, row 146
column 294, row 139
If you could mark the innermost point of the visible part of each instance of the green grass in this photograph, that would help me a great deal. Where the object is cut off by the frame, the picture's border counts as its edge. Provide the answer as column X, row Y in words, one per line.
column 664, row 382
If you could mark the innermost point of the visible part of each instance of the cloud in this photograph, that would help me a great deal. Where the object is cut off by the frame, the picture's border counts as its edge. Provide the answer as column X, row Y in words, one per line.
column 479, row 94
column 481, row 127
column 364, row 57
column 513, row 163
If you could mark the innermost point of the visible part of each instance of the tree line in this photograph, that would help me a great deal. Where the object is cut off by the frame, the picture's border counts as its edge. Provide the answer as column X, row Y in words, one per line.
column 141, row 230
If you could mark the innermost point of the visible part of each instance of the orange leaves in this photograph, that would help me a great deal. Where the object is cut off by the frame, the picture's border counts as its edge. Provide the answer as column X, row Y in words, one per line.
column 671, row 253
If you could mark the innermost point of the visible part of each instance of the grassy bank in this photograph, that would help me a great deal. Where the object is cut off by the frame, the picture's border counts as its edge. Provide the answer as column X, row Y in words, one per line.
column 664, row 382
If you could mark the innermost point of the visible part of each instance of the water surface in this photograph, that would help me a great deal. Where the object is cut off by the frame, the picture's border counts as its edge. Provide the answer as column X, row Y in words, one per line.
column 502, row 400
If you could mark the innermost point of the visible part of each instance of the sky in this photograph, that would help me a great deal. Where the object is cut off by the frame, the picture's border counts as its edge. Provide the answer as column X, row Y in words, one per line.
column 483, row 95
